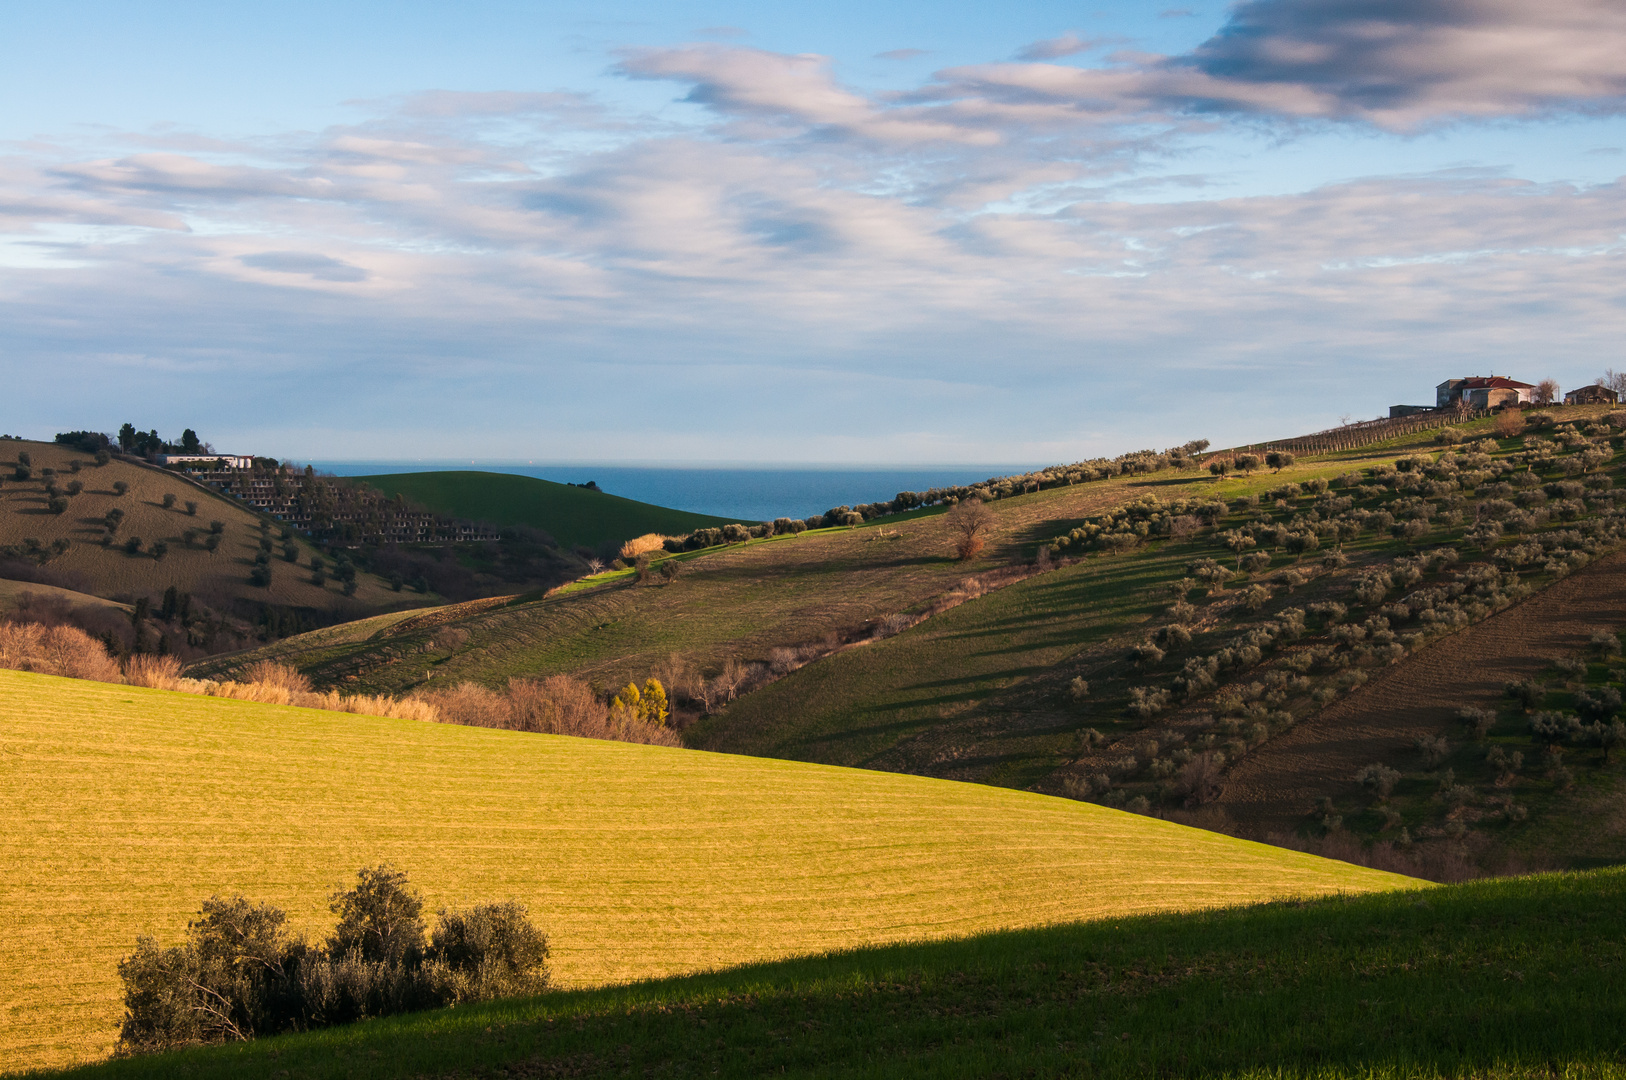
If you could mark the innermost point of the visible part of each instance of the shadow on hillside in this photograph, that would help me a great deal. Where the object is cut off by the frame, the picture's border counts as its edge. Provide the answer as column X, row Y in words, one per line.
column 1405, row 983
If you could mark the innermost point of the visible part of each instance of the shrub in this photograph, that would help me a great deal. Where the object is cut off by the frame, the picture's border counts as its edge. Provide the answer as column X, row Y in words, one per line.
column 1599, row 705
column 157, row 672
column 1477, row 721
column 240, row 975
column 120, row 487
column 57, row 650
column 1553, row 728
column 1435, row 750
column 273, row 673
column 489, row 951
column 1379, row 779
column 1527, row 692
column 642, row 544
column 169, row 500
column 192, row 507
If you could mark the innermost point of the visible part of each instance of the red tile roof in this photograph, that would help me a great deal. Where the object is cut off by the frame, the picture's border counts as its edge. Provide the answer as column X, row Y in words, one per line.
column 1492, row 382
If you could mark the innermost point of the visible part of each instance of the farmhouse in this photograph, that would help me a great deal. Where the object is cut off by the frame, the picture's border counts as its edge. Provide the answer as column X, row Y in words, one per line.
column 1592, row 395
column 1483, row 392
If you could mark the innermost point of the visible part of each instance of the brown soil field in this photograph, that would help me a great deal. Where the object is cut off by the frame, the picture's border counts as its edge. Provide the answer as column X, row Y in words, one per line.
column 1276, row 786
column 217, row 578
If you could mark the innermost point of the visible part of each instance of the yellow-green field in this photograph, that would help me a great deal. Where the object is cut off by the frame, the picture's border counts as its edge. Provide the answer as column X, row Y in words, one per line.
column 125, row 807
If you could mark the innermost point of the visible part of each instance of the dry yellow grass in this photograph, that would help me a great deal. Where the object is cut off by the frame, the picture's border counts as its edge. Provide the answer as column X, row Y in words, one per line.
column 126, row 807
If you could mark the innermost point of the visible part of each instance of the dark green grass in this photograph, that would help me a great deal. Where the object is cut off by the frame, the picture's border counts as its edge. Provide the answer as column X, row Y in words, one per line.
column 1513, row 977
column 572, row 515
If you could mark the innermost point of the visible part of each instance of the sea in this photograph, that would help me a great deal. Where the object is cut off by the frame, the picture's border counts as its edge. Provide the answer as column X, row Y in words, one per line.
column 736, row 493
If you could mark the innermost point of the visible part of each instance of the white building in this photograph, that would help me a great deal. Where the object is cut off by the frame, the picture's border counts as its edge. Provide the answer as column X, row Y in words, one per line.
column 219, row 461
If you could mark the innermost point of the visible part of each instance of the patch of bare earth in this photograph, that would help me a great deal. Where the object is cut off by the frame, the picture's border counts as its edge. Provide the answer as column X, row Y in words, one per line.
column 1276, row 786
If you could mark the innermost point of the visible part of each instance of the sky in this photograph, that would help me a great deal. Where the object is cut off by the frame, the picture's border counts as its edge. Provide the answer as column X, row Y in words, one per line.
column 797, row 234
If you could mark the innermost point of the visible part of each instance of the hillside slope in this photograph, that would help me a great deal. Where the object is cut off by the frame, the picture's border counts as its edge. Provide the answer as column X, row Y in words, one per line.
column 127, row 807
column 740, row 602
column 574, row 516
column 1514, row 978
column 220, row 578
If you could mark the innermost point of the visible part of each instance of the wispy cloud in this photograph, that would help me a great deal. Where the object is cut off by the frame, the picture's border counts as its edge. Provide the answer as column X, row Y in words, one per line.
column 808, row 256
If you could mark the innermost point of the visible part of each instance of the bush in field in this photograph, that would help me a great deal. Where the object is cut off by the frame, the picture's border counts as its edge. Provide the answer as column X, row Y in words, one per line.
column 1379, row 779
column 1527, row 692
column 641, row 545
column 1477, row 721
column 241, row 975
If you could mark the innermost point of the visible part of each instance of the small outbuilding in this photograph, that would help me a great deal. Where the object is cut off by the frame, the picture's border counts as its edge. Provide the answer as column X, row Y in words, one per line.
column 1592, row 395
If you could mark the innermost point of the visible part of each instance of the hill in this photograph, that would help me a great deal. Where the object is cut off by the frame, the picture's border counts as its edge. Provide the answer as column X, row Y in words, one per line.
column 65, row 549
column 575, row 516
column 1186, row 646
column 1507, row 979
column 127, row 807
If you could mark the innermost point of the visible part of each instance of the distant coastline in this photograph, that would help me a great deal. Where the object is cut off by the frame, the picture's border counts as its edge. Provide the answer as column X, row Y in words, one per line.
column 744, row 494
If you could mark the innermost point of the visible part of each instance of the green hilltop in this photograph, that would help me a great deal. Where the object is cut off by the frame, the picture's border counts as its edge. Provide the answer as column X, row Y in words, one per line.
column 574, row 516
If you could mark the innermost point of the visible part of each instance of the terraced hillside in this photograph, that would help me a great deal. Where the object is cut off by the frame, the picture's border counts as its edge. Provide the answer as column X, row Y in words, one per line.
column 571, row 515
column 221, row 577
column 127, row 807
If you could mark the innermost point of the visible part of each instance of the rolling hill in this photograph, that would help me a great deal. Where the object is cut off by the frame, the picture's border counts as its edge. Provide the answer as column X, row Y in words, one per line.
column 127, row 807
column 575, row 516
column 219, row 578
column 983, row 690
column 1507, row 979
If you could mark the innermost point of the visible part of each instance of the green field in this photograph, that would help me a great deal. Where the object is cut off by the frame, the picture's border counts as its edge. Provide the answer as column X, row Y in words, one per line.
column 1513, row 978
column 126, row 807
column 572, row 515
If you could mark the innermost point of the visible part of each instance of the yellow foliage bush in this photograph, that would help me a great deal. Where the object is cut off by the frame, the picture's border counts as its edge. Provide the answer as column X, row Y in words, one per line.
column 642, row 545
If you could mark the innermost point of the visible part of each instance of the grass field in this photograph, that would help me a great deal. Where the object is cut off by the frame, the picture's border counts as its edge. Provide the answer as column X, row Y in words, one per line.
column 216, row 577
column 127, row 807
column 572, row 515
column 1514, row 978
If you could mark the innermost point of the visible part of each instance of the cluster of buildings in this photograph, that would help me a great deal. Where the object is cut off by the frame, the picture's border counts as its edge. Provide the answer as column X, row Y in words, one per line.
column 1487, row 393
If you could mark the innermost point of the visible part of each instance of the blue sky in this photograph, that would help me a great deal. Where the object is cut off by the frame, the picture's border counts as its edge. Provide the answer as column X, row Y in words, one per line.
column 798, row 233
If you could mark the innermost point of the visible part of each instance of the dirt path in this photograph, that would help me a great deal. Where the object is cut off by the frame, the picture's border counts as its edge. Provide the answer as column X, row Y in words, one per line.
column 1276, row 786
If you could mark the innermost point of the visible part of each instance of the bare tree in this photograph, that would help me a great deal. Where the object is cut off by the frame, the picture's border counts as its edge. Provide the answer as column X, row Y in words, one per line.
column 1546, row 392
column 969, row 520
column 1613, row 380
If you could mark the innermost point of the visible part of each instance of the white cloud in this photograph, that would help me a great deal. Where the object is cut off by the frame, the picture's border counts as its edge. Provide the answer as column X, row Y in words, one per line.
column 814, row 265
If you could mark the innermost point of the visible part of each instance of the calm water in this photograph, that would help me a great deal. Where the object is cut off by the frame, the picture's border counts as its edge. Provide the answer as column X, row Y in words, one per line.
column 741, row 494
